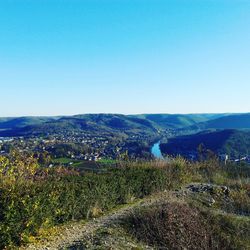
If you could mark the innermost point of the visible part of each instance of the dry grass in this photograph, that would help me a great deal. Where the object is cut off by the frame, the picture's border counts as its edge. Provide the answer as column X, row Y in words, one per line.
column 170, row 226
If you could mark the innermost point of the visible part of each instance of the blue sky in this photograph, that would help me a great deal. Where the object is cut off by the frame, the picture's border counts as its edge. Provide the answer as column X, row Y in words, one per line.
column 124, row 56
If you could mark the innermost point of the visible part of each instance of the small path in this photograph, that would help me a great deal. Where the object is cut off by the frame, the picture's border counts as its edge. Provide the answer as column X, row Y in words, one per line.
column 75, row 232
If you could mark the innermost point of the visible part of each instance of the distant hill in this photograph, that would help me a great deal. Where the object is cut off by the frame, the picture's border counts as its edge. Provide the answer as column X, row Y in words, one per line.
column 175, row 121
column 18, row 122
column 232, row 142
column 90, row 122
column 233, row 121
column 145, row 123
column 94, row 122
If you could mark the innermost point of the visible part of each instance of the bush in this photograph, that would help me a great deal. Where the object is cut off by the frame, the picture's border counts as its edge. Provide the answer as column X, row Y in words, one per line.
column 169, row 226
column 228, row 231
column 176, row 225
column 29, row 206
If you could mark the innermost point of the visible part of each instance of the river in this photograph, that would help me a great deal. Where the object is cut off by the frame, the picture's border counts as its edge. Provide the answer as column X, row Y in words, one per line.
column 156, row 151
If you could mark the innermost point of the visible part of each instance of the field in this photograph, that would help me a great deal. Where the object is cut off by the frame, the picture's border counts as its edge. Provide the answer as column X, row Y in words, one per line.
column 82, row 165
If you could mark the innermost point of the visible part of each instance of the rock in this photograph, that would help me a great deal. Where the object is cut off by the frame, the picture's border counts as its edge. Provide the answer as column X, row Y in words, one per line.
column 225, row 190
column 211, row 201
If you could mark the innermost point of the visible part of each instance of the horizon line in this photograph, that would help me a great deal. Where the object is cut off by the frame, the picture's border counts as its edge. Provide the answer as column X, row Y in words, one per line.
column 126, row 114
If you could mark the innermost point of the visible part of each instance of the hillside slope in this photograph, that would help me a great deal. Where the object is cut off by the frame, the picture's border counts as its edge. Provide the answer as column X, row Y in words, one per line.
column 100, row 123
column 235, row 121
column 161, row 221
column 115, row 123
column 232, row 142
column 19, row 122
column 178, row 120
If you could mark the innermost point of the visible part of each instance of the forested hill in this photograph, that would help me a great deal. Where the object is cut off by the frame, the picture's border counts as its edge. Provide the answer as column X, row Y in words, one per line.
column 102, row 122
column 92, row 123
column 146, row 123
column 235, row 143
column 234, row 121
column 18, row 122
column 176, row 121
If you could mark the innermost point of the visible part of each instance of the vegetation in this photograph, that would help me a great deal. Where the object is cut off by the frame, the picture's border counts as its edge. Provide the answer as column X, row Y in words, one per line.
column 91, row 123
column 175, row 121
column 148, row 123
column 105, row 120
column 185, row 218
column 233, row 121
column 18, row 122
column 172, row 225
column 24, row 126
column 179, row 225
column 34, row 199
column 234, row 143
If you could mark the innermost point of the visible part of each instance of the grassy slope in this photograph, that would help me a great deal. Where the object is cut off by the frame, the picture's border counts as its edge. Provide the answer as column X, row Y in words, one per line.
column 164, row 220
column 184, row 219
column 176, row 219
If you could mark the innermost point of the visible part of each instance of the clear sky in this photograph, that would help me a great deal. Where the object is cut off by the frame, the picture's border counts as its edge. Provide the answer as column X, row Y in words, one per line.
column 61, row 57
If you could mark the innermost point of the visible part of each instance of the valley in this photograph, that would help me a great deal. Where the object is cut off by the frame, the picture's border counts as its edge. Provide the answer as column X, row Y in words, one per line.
column 96, row 137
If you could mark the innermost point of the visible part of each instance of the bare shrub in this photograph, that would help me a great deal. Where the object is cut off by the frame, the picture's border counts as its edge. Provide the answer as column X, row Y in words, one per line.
column 170, row 226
